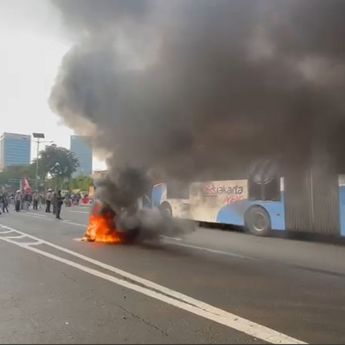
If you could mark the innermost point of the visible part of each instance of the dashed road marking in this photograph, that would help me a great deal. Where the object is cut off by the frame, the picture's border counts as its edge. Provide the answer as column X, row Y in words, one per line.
column 33, row 215
column 74, row 223
column 79, row 239
column 212, row 251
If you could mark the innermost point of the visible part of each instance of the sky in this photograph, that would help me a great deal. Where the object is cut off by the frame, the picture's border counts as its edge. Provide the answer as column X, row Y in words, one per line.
column 32, row 44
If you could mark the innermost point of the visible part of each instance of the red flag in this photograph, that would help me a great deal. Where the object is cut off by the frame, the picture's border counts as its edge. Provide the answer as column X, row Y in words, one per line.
column 26, row 185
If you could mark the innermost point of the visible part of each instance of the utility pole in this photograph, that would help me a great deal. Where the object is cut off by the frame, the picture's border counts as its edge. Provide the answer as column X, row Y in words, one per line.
column 38, row 136
column 37, row 154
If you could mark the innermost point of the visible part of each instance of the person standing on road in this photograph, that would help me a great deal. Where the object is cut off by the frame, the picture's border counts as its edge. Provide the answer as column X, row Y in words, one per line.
column 18, row 200
column 4, row 203
column 1, row 201
column 59, row 203
column 41, row 201
column 22, row 200
column 27, row 201
column 35, row 198
column 48, row 200
column 54, row 202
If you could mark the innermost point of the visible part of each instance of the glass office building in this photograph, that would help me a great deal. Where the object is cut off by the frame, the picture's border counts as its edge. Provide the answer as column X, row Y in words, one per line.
column 82, row 148
column 15, row 149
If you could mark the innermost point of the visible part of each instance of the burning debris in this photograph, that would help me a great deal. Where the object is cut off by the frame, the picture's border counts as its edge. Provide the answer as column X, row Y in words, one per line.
column 117, row 216
column 113, row 205
column 103, row 227
column 115, row 220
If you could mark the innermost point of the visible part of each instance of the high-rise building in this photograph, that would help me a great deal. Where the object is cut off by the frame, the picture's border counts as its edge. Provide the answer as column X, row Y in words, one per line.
column 15, row 149
column 82, row 148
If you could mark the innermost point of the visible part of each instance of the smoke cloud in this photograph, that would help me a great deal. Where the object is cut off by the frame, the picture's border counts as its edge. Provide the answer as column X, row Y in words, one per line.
column 198, row 88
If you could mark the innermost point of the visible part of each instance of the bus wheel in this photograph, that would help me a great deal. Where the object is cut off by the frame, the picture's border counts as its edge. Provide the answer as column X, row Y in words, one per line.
column 165, row 209
column 258, row 221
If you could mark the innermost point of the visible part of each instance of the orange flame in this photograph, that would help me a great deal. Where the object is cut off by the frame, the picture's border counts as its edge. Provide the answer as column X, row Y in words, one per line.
column 101, row 229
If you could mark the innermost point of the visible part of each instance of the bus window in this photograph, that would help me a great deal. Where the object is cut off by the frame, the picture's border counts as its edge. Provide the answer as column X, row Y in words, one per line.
column 264, row 181
column 254, row 190
column 264, row 191
column 177, row 190
column 272, row 190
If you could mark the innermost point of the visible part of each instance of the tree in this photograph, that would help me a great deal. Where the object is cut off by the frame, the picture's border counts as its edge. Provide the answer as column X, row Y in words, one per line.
column 11, row 176
column 81, row 182
column 58, row 161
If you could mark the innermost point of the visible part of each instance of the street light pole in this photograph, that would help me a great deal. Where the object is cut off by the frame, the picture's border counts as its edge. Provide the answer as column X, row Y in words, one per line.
column 37, row 154
column 37, row 136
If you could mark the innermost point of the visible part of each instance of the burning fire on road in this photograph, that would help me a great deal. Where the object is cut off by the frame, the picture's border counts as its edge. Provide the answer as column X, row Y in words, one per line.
column 115, row 219
column 102, row 226
column 99, row 230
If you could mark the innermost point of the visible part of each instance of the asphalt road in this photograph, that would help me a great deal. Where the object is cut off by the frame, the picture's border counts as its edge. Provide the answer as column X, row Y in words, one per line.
column 209, row 287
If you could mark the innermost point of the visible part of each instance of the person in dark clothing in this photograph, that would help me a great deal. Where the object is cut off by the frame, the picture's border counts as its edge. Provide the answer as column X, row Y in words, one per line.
column 35, row 199
column 4, row 203
column 59, row 203
column 18, row 200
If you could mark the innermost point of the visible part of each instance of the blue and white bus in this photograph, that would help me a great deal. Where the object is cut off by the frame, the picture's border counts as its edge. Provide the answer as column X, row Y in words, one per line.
column 310, row 202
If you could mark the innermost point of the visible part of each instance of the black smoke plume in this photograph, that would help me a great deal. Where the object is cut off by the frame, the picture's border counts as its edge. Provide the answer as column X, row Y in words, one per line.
column 194, row 89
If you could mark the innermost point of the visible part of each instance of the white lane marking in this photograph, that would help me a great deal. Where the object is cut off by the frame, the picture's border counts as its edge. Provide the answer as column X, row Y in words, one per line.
column 209, row 250
column 15, row 237
column 5, row 232
column 86, row 212
column 74, row 223
column 164, row 294
column 185, row 245
column 35, row 216
column 52, row 219
column 172, row 238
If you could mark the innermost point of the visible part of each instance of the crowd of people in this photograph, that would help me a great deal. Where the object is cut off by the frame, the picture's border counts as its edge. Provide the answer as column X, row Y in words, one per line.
column 51, row 201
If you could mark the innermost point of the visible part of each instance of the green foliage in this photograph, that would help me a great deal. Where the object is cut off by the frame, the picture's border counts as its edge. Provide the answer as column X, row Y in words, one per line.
column 82, row 182
column 58, row 162
column 11, row 176
column 55, row 165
